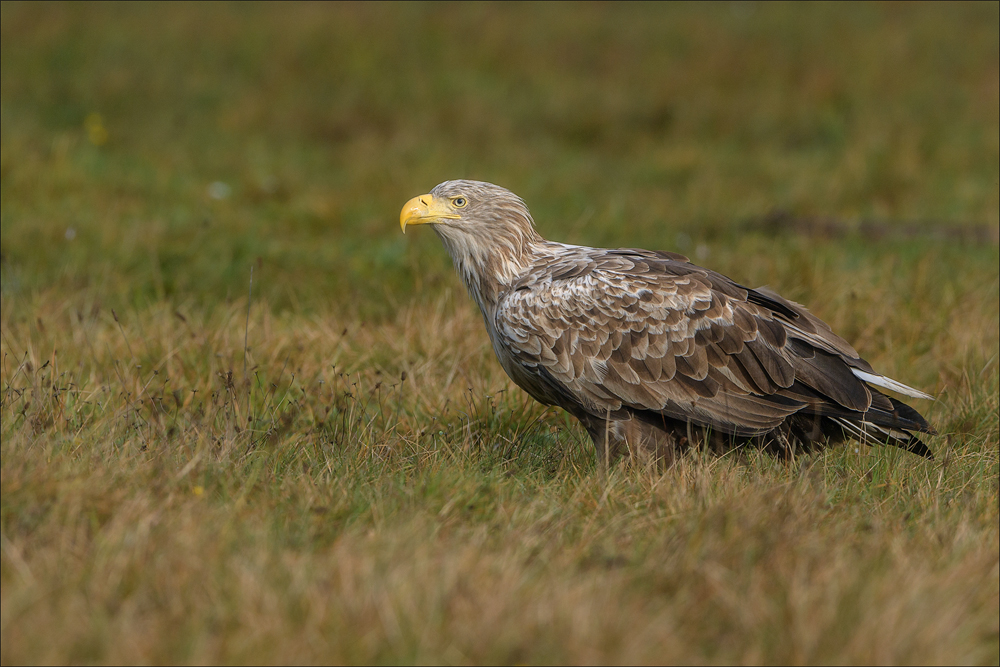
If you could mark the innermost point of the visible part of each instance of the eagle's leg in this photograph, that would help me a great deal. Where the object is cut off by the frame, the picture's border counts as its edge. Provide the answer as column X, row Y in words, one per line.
column 641, row 442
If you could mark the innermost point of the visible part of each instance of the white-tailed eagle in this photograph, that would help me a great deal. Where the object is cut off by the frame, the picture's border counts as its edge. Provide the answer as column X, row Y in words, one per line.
column 652, row 353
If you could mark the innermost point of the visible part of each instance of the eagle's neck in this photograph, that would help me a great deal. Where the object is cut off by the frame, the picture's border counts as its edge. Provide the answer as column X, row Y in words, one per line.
column 489, row 266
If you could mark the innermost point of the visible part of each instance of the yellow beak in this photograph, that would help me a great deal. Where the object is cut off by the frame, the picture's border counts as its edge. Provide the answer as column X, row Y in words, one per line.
column 423, row 210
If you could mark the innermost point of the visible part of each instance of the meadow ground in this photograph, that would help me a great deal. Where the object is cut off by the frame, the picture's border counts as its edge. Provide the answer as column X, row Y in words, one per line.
column 335, row 468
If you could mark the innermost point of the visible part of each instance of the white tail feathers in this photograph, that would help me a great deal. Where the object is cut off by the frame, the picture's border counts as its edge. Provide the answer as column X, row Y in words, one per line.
column 889, row 383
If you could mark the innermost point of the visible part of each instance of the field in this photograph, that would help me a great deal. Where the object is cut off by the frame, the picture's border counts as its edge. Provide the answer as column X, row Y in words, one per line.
column 245, row 420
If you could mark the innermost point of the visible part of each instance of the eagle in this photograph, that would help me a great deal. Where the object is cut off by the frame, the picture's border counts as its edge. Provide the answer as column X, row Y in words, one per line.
column 651, row 353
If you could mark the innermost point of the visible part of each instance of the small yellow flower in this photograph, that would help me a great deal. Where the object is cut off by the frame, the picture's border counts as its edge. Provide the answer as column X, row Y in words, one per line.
column 198, row 491
column 96, row 131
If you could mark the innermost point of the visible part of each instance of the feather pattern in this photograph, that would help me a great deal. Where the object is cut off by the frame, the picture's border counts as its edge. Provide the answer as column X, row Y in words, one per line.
column 649, row 350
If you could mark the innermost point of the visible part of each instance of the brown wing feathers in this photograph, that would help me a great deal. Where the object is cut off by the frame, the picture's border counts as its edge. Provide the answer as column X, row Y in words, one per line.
column 671, row 338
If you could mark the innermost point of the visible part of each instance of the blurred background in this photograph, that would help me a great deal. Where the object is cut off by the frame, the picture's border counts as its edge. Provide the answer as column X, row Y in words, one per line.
column 155, row 151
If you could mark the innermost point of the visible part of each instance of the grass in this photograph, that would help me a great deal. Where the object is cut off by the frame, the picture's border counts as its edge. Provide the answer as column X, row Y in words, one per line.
column 372, row 488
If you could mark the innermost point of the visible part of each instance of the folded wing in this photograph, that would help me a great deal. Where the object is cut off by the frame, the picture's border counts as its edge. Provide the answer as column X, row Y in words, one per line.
column 610, row 330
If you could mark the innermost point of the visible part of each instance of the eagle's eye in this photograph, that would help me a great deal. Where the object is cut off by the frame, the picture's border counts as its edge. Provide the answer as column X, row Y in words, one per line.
column 459, row 202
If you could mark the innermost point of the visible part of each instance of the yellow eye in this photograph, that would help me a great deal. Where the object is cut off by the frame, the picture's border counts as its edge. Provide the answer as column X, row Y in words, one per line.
column 459, row 202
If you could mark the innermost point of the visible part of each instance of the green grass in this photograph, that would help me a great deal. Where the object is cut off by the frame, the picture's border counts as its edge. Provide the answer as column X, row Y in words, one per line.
column 372, row 488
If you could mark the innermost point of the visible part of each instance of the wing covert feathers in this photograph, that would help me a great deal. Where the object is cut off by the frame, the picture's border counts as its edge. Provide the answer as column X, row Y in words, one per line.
column 606, row 331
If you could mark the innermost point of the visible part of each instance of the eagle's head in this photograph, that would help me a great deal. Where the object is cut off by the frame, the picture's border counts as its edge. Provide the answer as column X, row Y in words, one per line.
column 486, row 229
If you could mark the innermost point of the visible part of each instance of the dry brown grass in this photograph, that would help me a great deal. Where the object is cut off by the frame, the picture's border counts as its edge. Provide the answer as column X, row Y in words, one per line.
column 358, row 517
